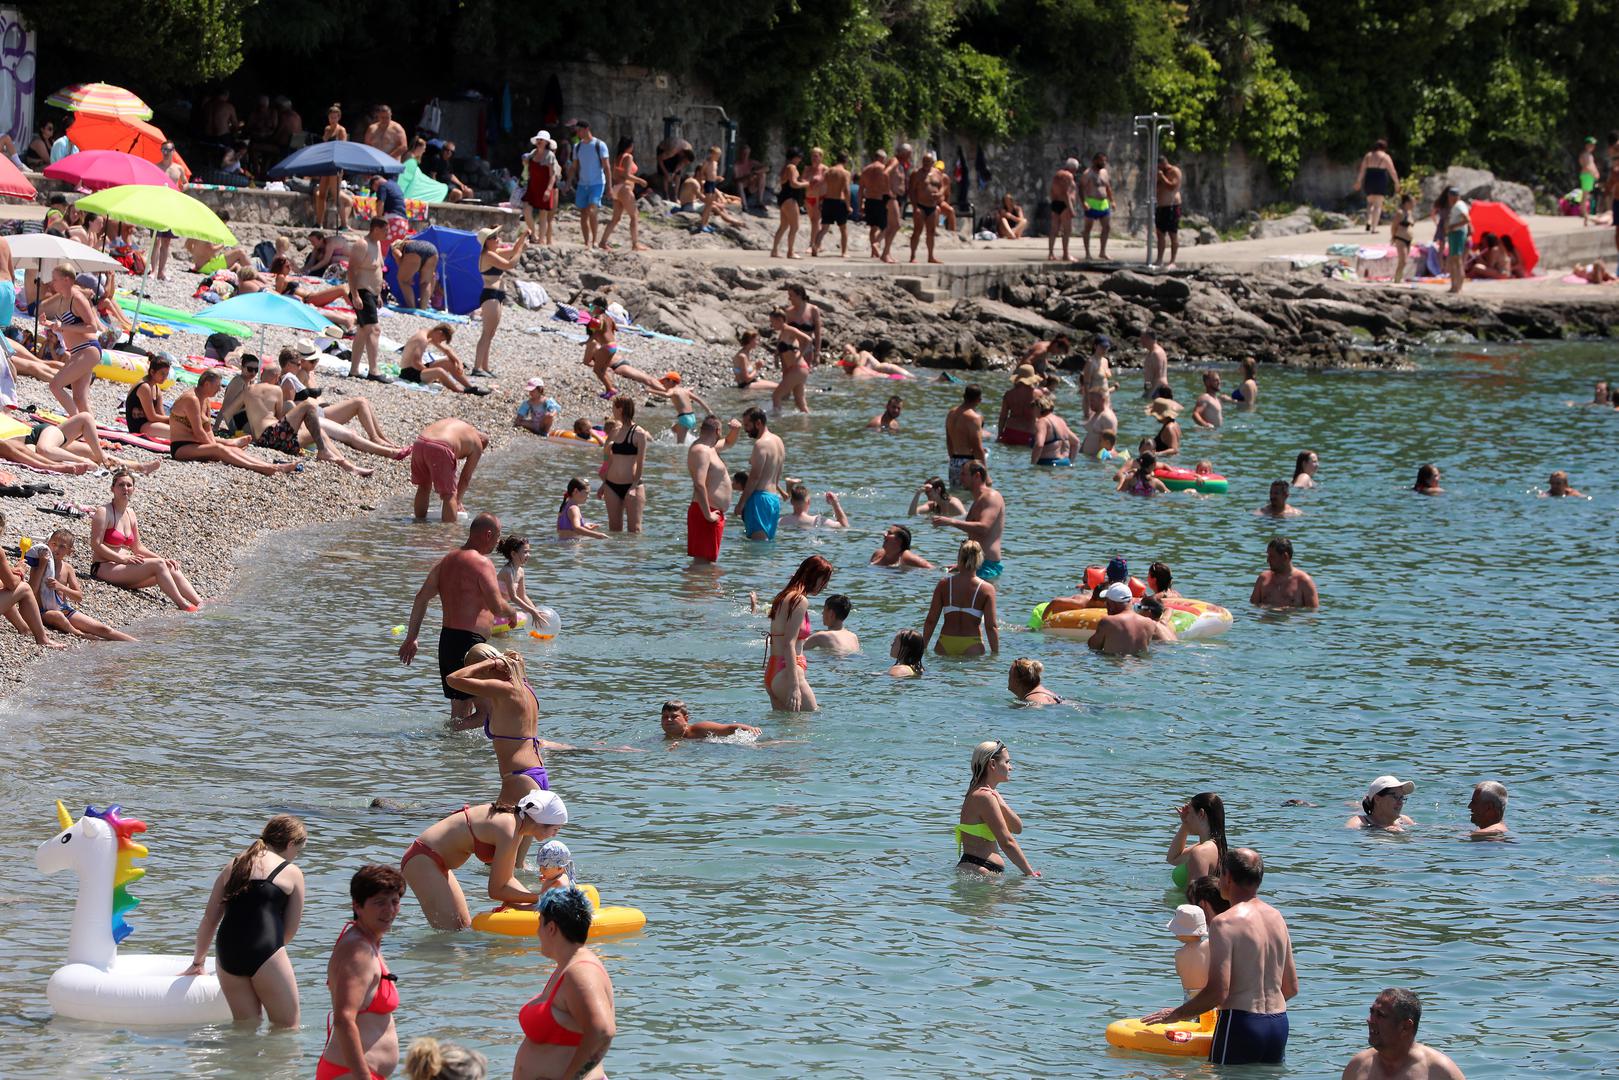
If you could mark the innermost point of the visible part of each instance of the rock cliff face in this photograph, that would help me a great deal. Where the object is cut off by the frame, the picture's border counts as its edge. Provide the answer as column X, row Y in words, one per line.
column 1198, row 315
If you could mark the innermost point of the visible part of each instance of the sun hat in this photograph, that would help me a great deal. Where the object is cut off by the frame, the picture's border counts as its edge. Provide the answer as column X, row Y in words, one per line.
column 1389, row 783
column 556, row 853
column 1189, row 919
column 485, row 234
column 333, row 331
column 1159, row 406
column 1026, row 375
column 543, row 808
column 539, row 137
column 1118, row 593
column 306, row 347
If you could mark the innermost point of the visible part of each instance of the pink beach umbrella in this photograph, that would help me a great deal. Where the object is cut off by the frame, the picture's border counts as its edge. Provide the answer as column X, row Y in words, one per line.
column 93, row 170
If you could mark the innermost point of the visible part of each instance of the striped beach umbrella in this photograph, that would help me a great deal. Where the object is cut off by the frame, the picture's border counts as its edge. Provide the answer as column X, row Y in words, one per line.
column 101, row 98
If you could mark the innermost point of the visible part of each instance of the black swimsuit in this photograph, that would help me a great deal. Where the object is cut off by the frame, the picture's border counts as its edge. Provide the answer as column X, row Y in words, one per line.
column 627, row 446
column 253, row 928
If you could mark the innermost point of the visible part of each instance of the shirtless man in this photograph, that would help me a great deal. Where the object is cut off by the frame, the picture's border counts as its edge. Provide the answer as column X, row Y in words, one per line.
column 385, row 134
column 1277, row 506
column 834, row 639
column 1283, row 585
column 1488, row 811
column 221, row 120
column 888, row 419
column 1167, row 209
column 1063, row 192
column 1208, row 412
column 1589, row 175
column 1155, row 365
column 277, row 427
column 1122, row 631
column 1044, row 355
column 874, row 200
column 1394, row 1053
column 365, row 295
column 464, row 582
column 432, row 464
column 759, row 504
column 1016, row 424
column 1098, row 372
column 1101, row 421
column 1096, row 191
column 985, row 519
column 835, row 204
column 964, row 433
column 710, row 493
column 925, row 189
column 1251, row 975
column 448, row 372
column 1558, row 487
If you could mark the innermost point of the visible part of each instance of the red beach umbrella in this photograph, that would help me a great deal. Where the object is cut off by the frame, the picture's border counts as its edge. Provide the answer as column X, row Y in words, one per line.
column 92, row 131
column 93, row 170
column 1502, row 220
column 13, row 184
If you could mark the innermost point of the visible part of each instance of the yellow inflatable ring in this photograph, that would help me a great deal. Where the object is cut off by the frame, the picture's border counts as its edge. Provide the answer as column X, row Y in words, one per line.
column 123, row 367
column 1193, row 620
column 525, row 922
column 1190, row 1038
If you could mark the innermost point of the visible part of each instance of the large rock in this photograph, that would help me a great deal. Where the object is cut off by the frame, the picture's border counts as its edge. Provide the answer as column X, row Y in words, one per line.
column 1128, row 283
column 1517, row 197
column 1346, row 314
column 1291, row 225
column 1472, row 183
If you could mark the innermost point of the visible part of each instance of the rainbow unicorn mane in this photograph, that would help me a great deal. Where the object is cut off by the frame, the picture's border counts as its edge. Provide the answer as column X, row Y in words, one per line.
column 127, row 872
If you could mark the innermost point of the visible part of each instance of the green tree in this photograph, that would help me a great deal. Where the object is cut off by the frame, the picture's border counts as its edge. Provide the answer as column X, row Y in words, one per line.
column 148, row 47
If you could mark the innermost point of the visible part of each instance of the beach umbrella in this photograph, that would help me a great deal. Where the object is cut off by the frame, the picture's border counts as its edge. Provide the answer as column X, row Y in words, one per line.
column 1502, row 220
column 271, row 309
column 35, row 251
column 103, row 99
column 13, row 184
column 159, row 209
column 333, row 158
column 93, row 170
column 92, row 131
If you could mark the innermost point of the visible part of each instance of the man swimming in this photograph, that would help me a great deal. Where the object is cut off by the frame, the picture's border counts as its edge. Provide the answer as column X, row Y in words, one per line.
column 1283, row 585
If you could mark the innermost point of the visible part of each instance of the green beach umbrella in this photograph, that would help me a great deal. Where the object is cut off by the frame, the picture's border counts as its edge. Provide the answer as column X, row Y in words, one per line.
column 158, row 209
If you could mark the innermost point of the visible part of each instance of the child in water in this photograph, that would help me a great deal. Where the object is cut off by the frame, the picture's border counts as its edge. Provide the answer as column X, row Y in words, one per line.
column 554, row 863
column 537, row 413
column 834, row 638
column 571, row 523
column 510, row 577
column 907, row 653
column 1192, row 959
column 1109, row 441
column 678, row 724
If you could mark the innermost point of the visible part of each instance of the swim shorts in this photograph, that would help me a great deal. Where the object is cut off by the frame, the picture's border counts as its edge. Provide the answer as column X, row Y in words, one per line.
column 1054, row 463
column 367, row 315
column 281, row 437
column 414, row 375
column 875, row 212
column 761, row 514
column 703, row 536
column 835, row 211
column 1456, row 241
column 587, row 195
column 1015, row 437
column 452, row 656
column 958, row 463
column 8, row 302
column 1167, row 218
column 433, row 462
column 1095, row 214
column 1248, row 1038
column 991, row 570
column 687, row 420
column 1059, row 207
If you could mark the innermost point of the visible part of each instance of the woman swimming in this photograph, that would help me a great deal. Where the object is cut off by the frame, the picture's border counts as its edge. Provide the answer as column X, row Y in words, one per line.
column 988, row 825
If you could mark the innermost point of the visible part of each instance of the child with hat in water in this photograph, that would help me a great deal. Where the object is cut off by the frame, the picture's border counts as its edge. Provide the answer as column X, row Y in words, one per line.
column 554, row 863
column 1192, row 959
column 537, row 412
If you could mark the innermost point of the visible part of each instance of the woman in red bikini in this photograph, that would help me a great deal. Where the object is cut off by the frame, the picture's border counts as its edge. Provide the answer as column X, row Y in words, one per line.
column 119, row 558
column 491, row 833
column 360, row 1037
column 785, row 666
column 568, row 1027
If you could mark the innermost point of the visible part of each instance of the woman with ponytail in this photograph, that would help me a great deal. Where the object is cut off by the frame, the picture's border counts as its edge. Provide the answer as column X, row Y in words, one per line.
column 256, row 905
column 989, row 826
column 1203, row 815
column 786, row 680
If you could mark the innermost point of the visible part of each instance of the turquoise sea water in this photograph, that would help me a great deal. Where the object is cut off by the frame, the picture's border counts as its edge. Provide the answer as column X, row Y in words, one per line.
column 803, row 914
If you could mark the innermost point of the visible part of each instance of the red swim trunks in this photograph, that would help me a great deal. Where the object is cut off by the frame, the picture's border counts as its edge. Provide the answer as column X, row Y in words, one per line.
column 1015, row 438
column 325, row 1070
column 433, row 462
column 703, row 536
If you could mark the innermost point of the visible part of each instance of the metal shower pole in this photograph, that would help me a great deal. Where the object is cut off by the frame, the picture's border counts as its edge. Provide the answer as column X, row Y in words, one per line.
column 1152, row 124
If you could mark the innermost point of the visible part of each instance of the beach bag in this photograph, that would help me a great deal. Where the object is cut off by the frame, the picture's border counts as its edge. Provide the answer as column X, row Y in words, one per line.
column 432, row 117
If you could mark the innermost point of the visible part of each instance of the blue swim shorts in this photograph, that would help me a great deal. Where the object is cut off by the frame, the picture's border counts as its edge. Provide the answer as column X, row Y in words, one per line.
column 588, row 195
column 991, row 570
column 761, row 514
column 1248, row 1038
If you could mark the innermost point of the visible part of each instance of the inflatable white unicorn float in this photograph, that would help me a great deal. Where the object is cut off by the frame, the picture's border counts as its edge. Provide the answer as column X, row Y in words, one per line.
column 98, row 983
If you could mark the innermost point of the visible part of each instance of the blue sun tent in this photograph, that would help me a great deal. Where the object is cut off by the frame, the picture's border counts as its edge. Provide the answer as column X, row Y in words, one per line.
column 457, row 268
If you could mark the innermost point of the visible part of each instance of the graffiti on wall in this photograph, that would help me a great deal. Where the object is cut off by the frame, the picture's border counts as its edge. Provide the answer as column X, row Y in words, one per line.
column 16, row 78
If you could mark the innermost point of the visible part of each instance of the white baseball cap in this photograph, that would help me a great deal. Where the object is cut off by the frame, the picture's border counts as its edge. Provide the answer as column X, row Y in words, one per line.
column 543, row 808
column 1188, row 919
column 1389, row 783
column 1118, row 593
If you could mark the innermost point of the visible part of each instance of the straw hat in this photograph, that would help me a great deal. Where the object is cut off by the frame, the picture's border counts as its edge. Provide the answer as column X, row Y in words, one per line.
column 1164, row 408
column 1026, row 375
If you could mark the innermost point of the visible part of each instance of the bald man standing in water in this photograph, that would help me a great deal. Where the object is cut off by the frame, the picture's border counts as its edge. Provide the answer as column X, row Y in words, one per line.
column 1251, row 974
column 464, row 582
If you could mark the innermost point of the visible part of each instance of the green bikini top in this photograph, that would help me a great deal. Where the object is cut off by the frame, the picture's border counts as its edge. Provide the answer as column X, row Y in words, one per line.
column 980, row 830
